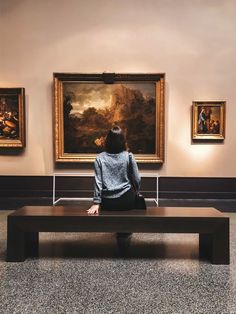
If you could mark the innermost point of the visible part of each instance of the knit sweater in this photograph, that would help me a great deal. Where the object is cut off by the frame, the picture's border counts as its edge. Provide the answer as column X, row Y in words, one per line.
column 112, row 175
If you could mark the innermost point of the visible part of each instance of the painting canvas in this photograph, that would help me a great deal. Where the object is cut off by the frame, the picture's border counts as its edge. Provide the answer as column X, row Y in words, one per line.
column 208, row 120
column 12, row 124
column 86, row 110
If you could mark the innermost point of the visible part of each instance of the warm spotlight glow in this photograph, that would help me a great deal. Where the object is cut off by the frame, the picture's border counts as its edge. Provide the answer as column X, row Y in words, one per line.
column 201, row 152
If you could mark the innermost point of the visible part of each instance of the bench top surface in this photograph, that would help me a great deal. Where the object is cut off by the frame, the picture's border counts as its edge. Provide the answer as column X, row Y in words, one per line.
column 80, row 210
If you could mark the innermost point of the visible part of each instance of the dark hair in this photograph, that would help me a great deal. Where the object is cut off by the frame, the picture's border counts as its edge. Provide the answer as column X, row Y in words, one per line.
column 115, row 141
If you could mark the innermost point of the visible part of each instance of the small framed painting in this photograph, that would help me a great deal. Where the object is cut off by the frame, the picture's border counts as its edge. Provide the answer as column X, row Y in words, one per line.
column 12, row 117
column 208, row 120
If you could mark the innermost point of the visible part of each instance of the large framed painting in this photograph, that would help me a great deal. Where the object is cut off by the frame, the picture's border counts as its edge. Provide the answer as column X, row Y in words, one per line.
column 12, row 117
column 88, row 105
column 208, row 120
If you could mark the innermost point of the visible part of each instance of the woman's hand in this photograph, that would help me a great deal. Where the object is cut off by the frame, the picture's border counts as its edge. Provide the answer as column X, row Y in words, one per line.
column 93, row 209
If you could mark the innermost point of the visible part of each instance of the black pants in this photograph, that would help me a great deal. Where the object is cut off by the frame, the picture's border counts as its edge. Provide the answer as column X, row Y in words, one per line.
column 124, row 202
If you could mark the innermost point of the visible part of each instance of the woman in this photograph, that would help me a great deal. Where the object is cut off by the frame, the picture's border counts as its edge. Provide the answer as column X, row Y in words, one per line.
column 113, row 187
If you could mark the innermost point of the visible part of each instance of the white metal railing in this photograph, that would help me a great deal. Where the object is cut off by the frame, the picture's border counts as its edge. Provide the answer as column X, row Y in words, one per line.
column 91, row 174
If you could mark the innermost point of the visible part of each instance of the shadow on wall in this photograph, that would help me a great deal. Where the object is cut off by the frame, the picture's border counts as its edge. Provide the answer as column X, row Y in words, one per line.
column 90, row 166
column 11, row 151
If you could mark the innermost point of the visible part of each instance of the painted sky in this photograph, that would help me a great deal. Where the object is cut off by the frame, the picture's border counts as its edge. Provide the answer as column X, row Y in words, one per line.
column 86, row 95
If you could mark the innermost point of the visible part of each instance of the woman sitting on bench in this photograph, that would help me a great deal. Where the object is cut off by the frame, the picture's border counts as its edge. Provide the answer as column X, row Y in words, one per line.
column 113, row 187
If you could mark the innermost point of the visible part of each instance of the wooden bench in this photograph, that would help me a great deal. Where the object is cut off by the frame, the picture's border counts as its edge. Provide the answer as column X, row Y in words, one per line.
column 25, row 224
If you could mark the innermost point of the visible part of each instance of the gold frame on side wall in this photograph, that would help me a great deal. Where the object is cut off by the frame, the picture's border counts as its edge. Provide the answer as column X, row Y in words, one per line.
column 61, row 155
column 208, row 120
column 12, row 117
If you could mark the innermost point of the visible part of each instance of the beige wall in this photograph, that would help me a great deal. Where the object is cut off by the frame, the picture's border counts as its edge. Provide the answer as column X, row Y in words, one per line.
column 193, row 42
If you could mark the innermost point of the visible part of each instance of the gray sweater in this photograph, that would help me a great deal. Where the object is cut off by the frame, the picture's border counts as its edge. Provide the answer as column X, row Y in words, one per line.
column 112, row 175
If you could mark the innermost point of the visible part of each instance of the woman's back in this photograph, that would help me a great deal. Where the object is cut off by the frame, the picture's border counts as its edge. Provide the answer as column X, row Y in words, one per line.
column 114, row 172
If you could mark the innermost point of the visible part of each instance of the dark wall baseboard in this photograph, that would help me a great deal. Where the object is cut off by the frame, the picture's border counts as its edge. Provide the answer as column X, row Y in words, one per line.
column 66, row 186
column 197, row 188
column 16, row 191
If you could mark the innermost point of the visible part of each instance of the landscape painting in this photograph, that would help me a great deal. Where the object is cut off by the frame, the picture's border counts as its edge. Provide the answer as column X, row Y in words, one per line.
column 88, row 110
column 208, row 120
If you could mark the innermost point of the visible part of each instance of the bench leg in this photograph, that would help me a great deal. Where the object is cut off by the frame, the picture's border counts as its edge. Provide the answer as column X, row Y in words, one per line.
column 220, row 245
column 32, row 244
column 15, row 243
column 215, row 246
column 205, row 246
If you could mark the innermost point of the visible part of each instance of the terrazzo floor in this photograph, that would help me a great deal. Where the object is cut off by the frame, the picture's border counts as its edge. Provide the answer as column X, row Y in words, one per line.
column 83, row 273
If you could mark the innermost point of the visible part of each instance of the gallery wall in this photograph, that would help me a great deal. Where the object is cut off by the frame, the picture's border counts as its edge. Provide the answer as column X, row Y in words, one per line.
column 193, row 42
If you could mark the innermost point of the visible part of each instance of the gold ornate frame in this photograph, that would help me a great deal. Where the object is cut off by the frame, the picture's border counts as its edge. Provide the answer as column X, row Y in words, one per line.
column 209, row 133
column 5, row 119
column 107, row 78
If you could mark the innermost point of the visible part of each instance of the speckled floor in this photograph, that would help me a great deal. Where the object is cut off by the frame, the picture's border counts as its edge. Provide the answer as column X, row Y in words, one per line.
column 83, row 273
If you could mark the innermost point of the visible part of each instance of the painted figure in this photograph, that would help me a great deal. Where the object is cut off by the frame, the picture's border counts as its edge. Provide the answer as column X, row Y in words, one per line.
column 202, row 121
